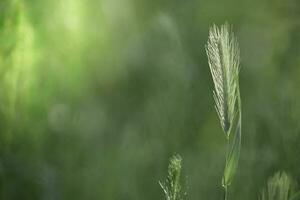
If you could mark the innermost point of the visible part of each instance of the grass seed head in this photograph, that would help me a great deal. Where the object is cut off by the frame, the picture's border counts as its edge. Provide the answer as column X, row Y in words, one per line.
column 224, row 59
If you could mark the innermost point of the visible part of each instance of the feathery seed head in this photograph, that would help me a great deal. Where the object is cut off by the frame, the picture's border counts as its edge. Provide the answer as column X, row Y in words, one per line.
column 223, row 57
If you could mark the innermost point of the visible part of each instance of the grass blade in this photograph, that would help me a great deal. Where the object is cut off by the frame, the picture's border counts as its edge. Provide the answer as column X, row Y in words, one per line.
column 233, row 157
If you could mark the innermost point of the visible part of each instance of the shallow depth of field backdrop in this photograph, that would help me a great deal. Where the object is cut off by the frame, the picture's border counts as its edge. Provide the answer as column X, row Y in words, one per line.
column 96, row 95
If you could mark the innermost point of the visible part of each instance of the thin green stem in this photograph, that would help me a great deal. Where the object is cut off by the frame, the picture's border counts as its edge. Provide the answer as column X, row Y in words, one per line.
column 225, row 192
column 225, row 186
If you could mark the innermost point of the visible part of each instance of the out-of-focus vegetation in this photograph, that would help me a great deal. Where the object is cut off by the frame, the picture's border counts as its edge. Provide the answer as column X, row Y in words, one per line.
column 279, row 187
column 96, row 95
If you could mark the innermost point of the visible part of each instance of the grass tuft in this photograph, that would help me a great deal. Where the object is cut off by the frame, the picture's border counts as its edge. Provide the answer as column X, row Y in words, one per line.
column 171, row 186
column 278, row 187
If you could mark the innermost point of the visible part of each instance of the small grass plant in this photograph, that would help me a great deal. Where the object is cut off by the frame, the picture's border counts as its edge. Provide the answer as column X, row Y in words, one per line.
column 172, row 187
column 224, row 61
column 279, row 187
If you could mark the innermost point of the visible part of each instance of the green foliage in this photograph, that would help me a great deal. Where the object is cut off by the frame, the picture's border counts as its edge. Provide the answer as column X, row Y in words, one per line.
column 232, row 158
column 172, row 187
column 278, row 188
column 94, row 94
column 295, row 196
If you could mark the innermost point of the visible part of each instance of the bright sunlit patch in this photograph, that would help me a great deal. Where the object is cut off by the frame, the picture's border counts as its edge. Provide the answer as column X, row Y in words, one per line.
column 20, row 61
column 72, row 15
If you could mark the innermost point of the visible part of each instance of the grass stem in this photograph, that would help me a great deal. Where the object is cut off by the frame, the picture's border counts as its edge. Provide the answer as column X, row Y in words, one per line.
column 225, row 192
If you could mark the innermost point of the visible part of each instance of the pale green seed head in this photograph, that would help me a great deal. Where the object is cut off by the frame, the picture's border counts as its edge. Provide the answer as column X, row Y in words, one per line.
column 224, row 58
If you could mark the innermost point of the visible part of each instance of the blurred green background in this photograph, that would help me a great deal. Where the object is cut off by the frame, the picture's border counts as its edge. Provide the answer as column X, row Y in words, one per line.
column 96, row 95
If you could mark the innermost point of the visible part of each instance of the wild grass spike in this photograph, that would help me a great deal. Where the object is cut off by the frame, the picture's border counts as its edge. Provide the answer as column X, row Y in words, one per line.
column 172, row 187
column 224, row 58
column 224, row 61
